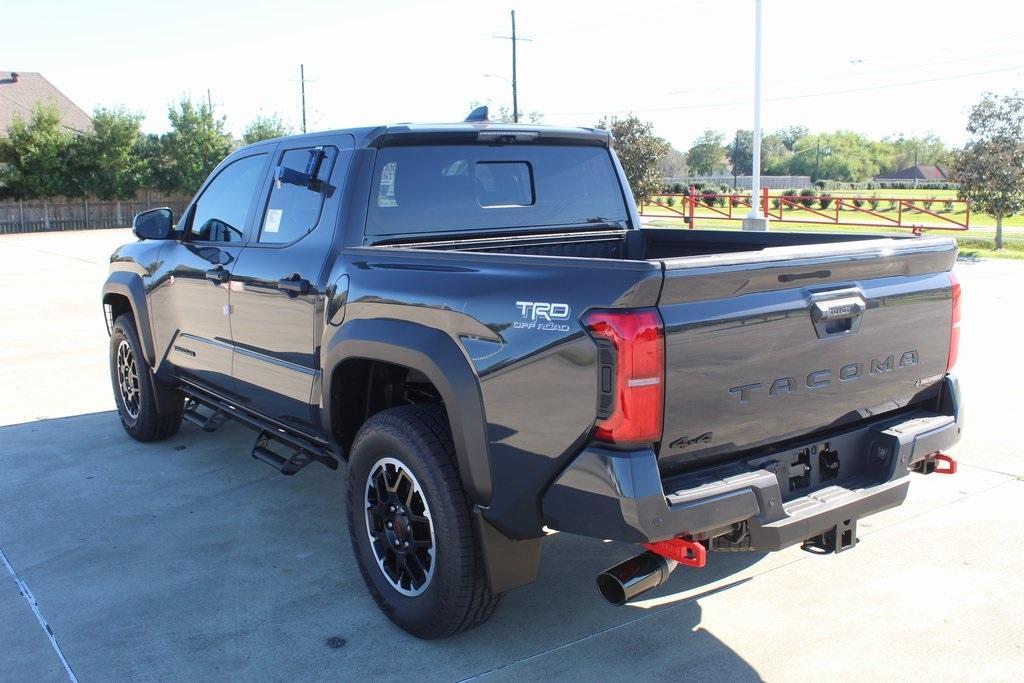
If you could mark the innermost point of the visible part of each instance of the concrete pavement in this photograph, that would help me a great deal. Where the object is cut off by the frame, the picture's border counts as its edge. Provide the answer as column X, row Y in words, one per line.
column 188, row 559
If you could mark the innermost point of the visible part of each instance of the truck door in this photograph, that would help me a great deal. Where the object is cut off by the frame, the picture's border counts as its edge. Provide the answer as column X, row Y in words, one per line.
column 191, row 305
column 277, row 286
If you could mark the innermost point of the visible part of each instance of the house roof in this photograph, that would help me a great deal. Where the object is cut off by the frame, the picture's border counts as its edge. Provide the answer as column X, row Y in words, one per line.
column 919, row 172
column 20, row 93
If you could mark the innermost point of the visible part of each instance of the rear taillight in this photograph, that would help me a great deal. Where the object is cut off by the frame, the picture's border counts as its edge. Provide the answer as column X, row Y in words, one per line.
column 631, row 347
column 954, row 333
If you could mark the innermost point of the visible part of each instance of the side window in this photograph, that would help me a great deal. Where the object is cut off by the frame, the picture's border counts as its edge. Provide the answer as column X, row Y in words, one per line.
column 220, row 212
column 297, row 198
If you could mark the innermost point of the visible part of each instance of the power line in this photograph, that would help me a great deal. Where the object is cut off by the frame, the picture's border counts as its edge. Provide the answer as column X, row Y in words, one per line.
column 30, row 111
column 859, row 73
column 785, row 97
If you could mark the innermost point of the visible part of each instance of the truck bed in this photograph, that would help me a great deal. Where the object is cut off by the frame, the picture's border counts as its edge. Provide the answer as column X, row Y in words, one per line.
column 639, row 245
column 747, row 363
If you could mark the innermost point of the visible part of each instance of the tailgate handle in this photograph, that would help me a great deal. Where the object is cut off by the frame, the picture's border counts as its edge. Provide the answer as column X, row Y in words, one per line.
column 837, row 316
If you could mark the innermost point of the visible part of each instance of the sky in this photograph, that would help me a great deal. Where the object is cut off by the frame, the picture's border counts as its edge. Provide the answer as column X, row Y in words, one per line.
column 882, row 68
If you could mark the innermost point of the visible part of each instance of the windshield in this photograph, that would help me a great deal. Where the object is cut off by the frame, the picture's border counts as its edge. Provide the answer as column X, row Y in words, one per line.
column 457, row 188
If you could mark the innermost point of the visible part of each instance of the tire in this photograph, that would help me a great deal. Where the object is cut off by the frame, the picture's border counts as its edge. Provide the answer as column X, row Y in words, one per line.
column 446, row 592
column 133, row 388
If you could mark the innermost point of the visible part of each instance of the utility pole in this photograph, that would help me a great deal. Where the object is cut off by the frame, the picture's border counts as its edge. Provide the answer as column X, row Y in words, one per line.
column 515, row 94
column 756, row 219
column 735, row 153
column 302, row 82
column 817, row 161
column 515, row 82
column 209, row 101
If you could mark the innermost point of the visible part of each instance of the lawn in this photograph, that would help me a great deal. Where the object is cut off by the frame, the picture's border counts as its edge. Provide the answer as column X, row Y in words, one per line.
column 977, row 220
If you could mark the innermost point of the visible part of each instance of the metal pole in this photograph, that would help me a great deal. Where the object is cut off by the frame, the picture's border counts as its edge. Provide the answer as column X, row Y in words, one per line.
column 515, row 94
column 755, row 181
column 302, row 81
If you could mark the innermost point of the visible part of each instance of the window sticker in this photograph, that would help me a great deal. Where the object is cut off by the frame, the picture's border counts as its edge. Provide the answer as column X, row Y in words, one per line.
column 273, row 221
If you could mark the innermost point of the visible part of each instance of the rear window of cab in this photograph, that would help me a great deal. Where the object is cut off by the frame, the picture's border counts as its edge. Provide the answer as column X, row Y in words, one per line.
column 456, row 188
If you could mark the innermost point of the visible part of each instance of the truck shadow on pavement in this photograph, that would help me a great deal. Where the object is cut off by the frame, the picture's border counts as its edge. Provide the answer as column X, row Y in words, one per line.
column 187, row 558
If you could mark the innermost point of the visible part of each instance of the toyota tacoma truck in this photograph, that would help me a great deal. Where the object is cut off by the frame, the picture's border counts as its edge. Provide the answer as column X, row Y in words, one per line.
column 472, row 319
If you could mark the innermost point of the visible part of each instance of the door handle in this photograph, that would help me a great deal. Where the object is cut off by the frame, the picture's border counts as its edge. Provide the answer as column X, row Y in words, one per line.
column 293, row 285
column 218, row 275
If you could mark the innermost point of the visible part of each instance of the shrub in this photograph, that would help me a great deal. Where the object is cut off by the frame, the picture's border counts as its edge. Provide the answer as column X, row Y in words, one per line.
column 807, row 197
column 892, row 205
column 671, row 201
column 947, row 206
column 709, row 200
column 873, row 202
column 858, row 202
column 775, row 202
column 824, row 201
column 678, row 188
column 928, row 203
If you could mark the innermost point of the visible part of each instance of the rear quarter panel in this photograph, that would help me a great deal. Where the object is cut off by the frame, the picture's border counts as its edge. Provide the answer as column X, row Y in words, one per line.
column 537, row 371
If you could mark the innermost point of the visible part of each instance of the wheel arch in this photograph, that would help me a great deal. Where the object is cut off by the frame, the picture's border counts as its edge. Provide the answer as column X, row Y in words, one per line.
column 439, row 358
column 124, row 292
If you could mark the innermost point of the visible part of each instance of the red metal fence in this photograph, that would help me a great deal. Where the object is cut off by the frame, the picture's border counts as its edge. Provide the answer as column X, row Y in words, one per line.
column 900, row 212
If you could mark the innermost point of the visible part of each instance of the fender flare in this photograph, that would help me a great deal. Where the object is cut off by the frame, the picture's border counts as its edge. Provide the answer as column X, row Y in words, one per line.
column 129, row 285
column 440, row 358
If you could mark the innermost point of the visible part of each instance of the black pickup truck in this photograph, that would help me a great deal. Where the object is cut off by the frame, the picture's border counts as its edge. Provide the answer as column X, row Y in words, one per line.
column 472, row 317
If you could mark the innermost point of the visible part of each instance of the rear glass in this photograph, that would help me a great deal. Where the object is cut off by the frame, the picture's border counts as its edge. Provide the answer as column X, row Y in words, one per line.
column 457, row 188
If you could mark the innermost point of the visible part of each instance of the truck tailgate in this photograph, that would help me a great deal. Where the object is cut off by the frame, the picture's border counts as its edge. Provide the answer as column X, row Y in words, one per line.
column 774, row 344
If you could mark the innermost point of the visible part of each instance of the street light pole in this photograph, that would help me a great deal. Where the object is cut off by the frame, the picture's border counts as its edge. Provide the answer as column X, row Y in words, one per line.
column 756, row 219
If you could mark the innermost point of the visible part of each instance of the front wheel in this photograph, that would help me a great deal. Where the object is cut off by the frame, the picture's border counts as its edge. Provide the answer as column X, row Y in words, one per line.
column 410, row 526
column 133, row 388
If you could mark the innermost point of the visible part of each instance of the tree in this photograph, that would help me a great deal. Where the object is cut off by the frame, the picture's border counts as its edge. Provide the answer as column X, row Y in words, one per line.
column 707, row 154
column 108, row 162
column 640, row 152
column 790, row 136
column 741, row 152
column 990, row 167
column 842, row 155
column 195, row 144
column 34, row 158
column 265, row 128
column 673, row 164
column 905, row 152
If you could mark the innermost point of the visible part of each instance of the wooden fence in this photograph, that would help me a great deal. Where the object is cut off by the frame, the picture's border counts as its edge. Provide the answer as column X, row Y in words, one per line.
column 19, row 216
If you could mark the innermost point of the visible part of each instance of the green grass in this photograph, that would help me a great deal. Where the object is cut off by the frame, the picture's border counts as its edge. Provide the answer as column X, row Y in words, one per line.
column 977, row 219
column 974, row 247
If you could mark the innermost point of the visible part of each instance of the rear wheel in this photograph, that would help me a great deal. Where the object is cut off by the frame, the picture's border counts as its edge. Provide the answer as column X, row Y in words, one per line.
column 410, row 526
column 133, row 388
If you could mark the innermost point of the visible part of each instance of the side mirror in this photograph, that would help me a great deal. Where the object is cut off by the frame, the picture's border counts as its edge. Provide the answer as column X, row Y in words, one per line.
column 155, row 224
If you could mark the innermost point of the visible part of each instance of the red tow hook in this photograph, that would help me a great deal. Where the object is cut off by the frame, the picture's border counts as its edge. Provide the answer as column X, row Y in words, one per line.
column 950, row 462
column 686, row 553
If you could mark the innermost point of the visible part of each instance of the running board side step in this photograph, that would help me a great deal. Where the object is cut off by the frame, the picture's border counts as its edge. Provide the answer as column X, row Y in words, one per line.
column 303, row 450
column 285, row 465
column 208, row 423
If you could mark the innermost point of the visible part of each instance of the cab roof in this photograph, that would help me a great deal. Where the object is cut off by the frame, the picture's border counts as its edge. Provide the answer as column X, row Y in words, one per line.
column 462, row 132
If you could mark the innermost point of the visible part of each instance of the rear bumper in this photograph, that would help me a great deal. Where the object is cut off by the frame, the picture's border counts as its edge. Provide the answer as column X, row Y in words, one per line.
column 784, row 496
